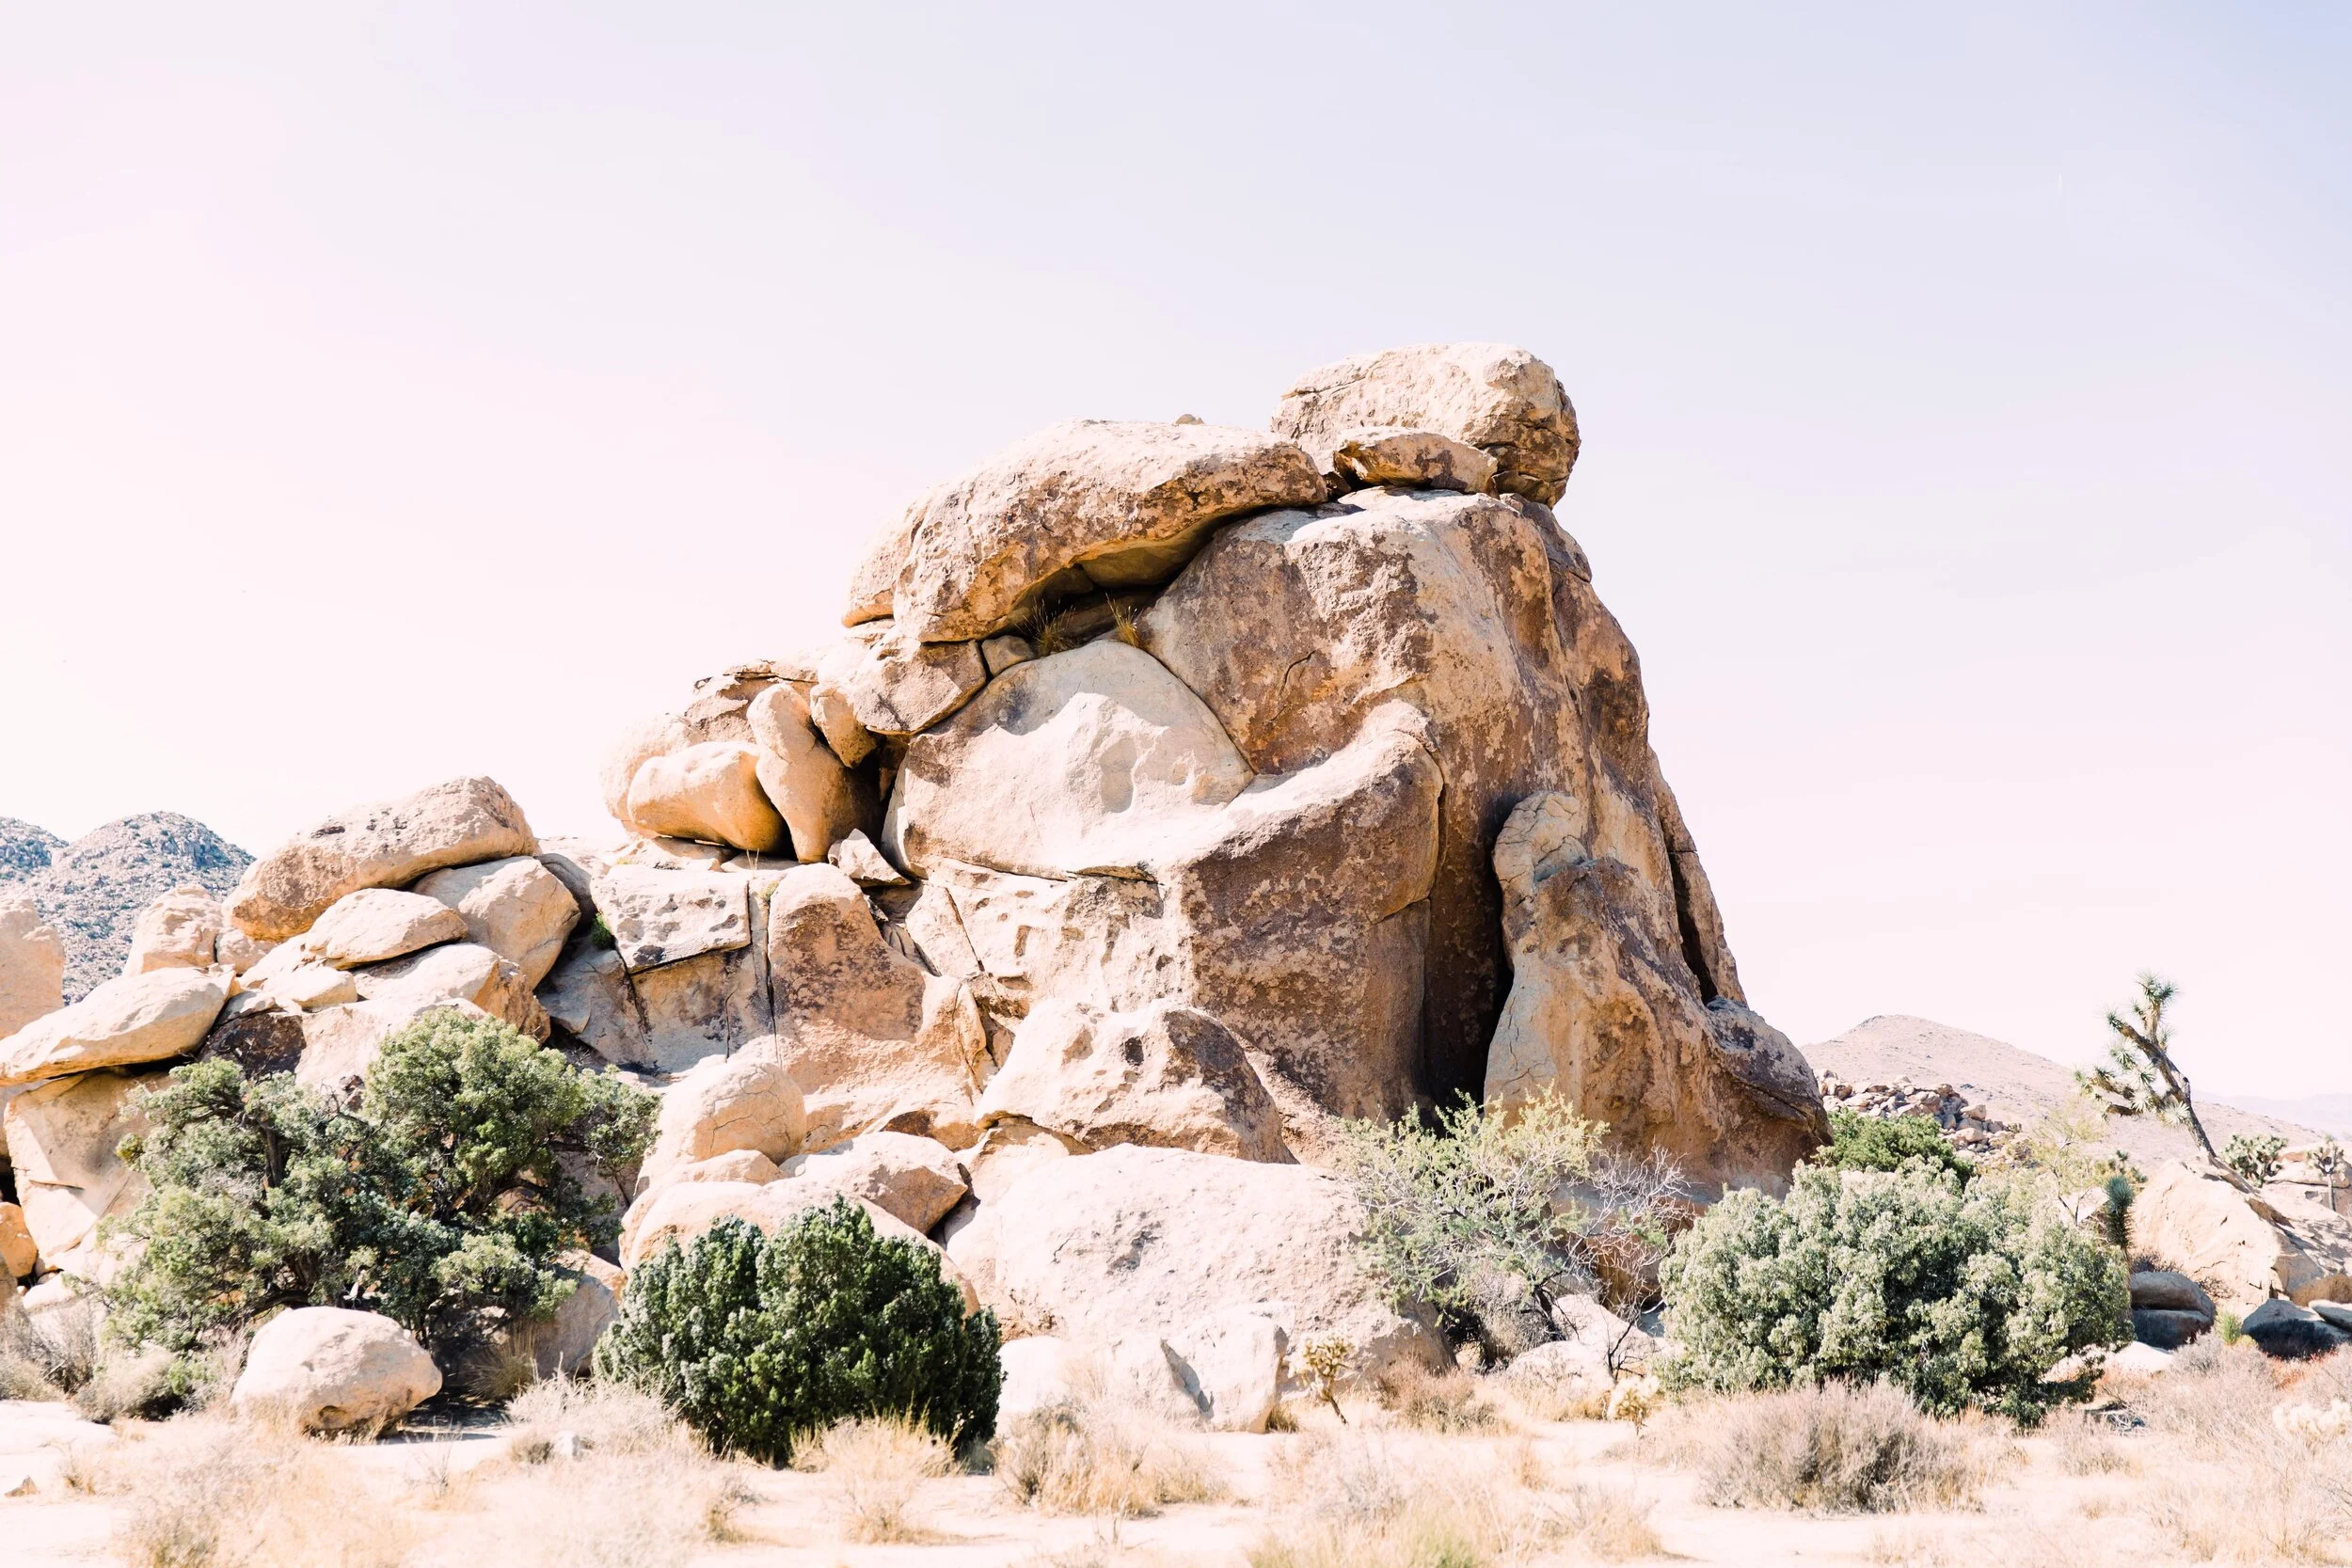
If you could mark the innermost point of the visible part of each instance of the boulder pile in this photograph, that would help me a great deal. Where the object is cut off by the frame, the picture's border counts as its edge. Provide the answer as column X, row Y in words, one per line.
column 1168, row 793
column 1970, row 1125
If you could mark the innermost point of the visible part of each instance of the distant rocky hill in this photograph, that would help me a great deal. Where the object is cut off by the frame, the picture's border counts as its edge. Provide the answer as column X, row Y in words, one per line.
column 92, row 889
column 2018, row 1086
column 24, row 849
column 2329, row 1113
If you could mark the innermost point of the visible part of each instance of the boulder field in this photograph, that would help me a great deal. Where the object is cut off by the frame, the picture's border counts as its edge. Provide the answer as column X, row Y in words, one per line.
column 1168, row 793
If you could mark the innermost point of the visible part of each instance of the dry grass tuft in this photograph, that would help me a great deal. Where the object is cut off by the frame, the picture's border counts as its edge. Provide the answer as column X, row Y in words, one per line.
column 201, row 1493
column 875, row 1465
column 2088, row 1446
column 1446, row 1402
column 2211, row 1393
column 1838, row 1449
column 1363, row 1502
column 2273, row 1497
column 1099, row 1457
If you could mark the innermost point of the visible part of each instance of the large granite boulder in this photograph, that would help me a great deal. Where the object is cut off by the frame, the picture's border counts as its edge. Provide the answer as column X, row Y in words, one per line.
column 370, row 926
column 327, row 1369
column 515, row 908
column 180, row 930
column 1154, row 1241
column 134, row 1019
column 1082, row 506
column 1167, row 1075
column 388, row 844
column 723, row 1105
column 1501, row 400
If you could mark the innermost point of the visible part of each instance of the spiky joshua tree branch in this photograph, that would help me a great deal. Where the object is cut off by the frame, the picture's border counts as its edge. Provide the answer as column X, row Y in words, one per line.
column 2139, row 1077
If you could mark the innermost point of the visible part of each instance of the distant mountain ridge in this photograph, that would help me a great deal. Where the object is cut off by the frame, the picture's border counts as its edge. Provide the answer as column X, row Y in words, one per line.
column 2329, row 1113
column 2021, row 1086
column 92, row 891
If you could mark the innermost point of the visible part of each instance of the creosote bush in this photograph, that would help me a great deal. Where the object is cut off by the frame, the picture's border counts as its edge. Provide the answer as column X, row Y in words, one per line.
column 758, row 1342
column 440, row 1199
column 1961, row 1295
column 1498, row 1214
column 1859, row 1142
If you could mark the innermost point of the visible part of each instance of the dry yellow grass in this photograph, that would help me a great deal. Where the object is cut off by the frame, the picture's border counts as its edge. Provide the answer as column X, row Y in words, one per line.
column 1098, row 1456
column 874, row 1466
column 1836, row 1449
column 201, row 1493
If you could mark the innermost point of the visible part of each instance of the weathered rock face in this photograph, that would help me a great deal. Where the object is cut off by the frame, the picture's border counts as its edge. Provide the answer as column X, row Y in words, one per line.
column 1093, row 761
column 32, row 966
column 1602, row 1011
column 1501, row 400
column 881, row 681
column 330, row 1370
column 138, row 1018
column 914, row 1180
column 456, row 971
column 1154, row 1241
column 1478, row 614
column 725, row 1104
column 61, row 1137
column 2206, row 1227
column 709, row 792
column 1168, row 1075
column 809, row 784
column 1087, row 505
column 875, row 1042
column 386, row 845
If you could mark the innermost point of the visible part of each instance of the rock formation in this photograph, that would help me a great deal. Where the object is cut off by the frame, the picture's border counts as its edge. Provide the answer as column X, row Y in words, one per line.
column 1171, row 793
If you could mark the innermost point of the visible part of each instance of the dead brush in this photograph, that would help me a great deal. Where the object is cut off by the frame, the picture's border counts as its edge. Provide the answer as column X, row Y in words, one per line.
column 201, row 1493
column 1096, row 1456
column 2086, row 1446
column 1836, row 1448
column 875, row 1465
column 1444, row 1402
column 2271, row 1496
column 597, row 1474
column 2212, row 1393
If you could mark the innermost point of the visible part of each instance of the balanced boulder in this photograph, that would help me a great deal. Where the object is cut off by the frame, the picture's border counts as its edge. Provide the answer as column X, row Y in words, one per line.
column 1500, row 399
column 709, row 792
column 371, row 927
column 390, row 843
column 327, row 1369
column 1086, row 505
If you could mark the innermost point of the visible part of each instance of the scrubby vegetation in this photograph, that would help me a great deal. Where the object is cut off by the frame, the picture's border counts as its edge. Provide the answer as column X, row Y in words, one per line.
column 1492, row 1217
column 1836, row 1448
column 2254, row 1159
column 440, row 1199
column 1101, row 1455
column 760, row 1341
column 1859, row 1142
column 1961, row 1295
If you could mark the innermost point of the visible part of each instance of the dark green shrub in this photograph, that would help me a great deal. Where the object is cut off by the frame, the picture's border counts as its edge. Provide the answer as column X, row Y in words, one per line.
column 760, row 1341
column 441, row 1201
column 1962, row 1295
column 1859, row 1142
column 2254, row 1159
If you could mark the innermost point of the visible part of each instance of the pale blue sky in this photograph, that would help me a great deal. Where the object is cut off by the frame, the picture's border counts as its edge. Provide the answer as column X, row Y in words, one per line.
column 393, row 392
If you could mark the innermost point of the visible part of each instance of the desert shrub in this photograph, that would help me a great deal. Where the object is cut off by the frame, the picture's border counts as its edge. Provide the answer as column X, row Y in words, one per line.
column 1446, row 1400
column 1528, row 1196
column 874, row 1464
column 1859, row 1142
column 2273, row 1498
column 51, row 1356
column 439, row 1200
column 2254, row 1159
column 2214, row 1393
column 1960, row 1295
column 759, row 1340
column 1837, row 1448
column 1097, row 1455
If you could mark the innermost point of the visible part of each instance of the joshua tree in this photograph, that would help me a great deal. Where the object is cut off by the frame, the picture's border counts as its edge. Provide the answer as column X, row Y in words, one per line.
column 2139, row 1077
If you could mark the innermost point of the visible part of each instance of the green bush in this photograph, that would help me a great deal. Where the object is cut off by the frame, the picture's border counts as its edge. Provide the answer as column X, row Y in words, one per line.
column 1960, row 1295
column 439, row 1200
column 2254, row 1159
column 1859, row 1142
column 760, row 1341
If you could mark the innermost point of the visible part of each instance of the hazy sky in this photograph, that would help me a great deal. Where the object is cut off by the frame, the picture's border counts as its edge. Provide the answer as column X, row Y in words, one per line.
column 389, row 392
